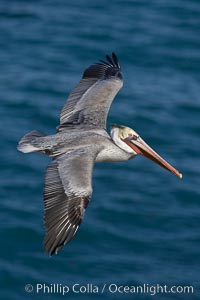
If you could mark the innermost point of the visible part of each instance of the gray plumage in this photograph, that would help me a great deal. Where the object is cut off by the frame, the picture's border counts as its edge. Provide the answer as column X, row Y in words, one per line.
column 89, row 102
column 80, row 141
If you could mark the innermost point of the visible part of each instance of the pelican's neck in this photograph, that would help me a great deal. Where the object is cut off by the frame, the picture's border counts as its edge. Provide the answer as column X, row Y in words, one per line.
column 112, row 153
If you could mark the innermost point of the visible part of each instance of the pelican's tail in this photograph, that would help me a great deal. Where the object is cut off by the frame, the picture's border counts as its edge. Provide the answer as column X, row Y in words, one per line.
column 26, row 144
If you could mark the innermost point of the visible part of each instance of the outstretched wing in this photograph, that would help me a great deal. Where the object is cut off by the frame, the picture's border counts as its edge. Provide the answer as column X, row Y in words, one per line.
column 67, row 192
column 89, row 102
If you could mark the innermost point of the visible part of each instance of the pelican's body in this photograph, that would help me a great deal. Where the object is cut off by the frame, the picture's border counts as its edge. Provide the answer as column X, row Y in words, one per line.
column 81, row 140
column 97, row 140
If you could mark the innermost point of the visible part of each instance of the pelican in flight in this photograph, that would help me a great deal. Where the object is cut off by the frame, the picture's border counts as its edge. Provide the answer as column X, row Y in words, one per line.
column 81, row 140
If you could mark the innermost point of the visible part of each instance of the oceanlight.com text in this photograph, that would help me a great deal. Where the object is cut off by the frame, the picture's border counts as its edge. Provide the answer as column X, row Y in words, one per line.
column 111, row 288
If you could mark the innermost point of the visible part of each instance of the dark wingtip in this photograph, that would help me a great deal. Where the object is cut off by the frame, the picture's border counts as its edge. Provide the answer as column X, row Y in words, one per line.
column 111, row 61
column 115, row 59
column 108, row 67
column 51, row 251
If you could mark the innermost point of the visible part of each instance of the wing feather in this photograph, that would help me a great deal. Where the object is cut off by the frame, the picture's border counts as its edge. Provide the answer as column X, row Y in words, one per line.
column 89, row 102
column 67, row 193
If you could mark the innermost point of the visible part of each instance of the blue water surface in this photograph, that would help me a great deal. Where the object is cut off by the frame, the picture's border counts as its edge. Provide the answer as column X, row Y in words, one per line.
column 143, row 223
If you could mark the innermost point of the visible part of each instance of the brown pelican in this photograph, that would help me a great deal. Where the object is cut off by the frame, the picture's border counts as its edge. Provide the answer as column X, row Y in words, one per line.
column 81, row 140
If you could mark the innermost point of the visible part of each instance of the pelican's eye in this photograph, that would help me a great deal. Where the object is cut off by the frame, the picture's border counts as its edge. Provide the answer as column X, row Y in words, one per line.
column 132, row 136
column 135, row 137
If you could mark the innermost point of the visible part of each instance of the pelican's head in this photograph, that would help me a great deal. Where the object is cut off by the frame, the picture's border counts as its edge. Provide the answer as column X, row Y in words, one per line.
column 130, row 141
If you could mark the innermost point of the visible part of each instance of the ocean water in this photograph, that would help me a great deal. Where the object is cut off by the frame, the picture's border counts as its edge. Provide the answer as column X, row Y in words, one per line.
column 143, row 223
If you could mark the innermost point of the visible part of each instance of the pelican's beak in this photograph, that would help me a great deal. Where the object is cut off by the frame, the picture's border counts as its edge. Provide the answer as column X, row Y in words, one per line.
column 140, row 147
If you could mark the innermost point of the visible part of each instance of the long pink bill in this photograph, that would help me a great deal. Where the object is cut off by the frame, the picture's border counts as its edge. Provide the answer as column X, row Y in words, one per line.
column 140, row 147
